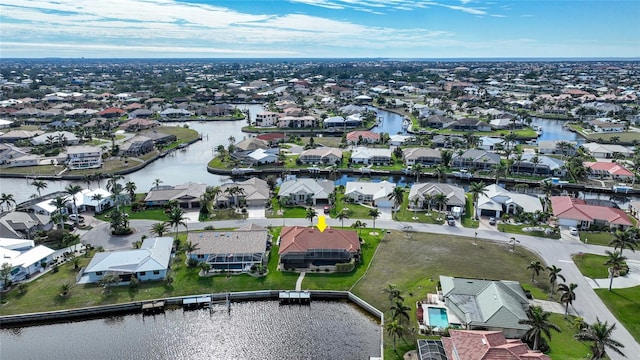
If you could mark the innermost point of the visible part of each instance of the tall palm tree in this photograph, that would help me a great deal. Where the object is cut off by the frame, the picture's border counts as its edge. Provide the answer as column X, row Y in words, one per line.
column 394, row 293
column 190, row 247
column 445, row 157
column 399, row 311
column 157, row 183
column 374, row 213
column 342, row 216
column 499, row 170
column 476, row 189
column 358, row 225
column 535, row 268
column 554, row 275
column 397, row 196
column 60, row 203
column 539, row 323
column 159, row 229
column 568, row 296
column 441, row 172
column 72, row 190
column 616, row 262
column 440, row 201
column 7, row 199
column 176, row 218
column 310, row 214
column 599, row 334
column 394, row 329
column 131, row 187
column 417, row 170
column 624, row 239
column 39, row 184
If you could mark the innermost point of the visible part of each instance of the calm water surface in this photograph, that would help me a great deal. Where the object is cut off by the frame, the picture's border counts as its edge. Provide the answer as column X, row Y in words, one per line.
column 253, row 330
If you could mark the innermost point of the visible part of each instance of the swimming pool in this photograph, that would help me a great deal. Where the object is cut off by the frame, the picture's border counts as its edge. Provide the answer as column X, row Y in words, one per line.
column 438, row 317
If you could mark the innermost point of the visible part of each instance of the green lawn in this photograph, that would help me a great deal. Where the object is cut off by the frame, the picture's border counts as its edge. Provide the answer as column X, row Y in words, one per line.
column 563, row 345
column 517, row 229
column 624, row 304
column 592, row 266
column 596, row 238
column 148, row 214
column 467, row 218
column 183, row 134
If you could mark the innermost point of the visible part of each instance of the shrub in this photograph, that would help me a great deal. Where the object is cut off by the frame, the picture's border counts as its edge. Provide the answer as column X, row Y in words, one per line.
column 134, row 282
column 209, row 227
column 191, row 262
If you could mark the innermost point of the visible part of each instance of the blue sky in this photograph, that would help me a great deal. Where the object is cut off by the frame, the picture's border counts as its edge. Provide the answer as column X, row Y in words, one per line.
column 319, row 28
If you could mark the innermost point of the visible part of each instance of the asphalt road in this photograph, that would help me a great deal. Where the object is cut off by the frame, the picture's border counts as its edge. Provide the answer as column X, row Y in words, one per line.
column 554, row 252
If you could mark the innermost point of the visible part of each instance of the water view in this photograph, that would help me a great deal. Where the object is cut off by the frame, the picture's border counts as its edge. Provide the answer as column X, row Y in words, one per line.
column 253, row 330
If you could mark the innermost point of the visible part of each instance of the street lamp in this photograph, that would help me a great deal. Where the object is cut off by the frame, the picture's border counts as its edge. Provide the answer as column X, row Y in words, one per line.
column 475, row 239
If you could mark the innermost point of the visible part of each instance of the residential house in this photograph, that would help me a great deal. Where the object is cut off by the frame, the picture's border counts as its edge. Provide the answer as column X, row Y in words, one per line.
column 486, row 345
column 399, row 140
column 342, row 122
column 139, row 113
column 374, row 156
column 111, row 112
column 255, row 193
column 424, row 156
column 297, row 122
column 137, row 146
column 498, row 200
column 489, row 143
column 475, row 159
column 187, row 195
column 304, row 248
column 307, row 191
column 56, row 137
column 137, row 124
column 26, row 261
column 267, row 119
column 601, row 169
column 490, row 305
column 150, row 262
column 634, row 209
column 26, row 224
column 447, row 141
column 467, row 124
column 362, row 137
column 159, row 138
column 606, row 151
column 565, row 148
column 376, row 194
column 422, row 194
column 272, row 138
column 321, row 155
column 17, row 135
column 437, row 121
column 29, row 160
column 263, row 157
column 577, row 213
column 84, row 157
column 175, row 113
column 601, row 126
column 8, row 152
column 251, row 144
column 505, row 122
column 96, row 200
column 533, row 164
column 236, row 251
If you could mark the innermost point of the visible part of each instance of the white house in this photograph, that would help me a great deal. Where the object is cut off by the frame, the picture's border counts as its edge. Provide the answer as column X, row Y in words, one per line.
column 150, row 262
column 376, row 194
column 497, row 201
column 377, row 156
column 26, row 262
column 263, row 156
column 397, row 140
column 606, row 151
column 84, row 157
column 267, row 119
column 304, row 190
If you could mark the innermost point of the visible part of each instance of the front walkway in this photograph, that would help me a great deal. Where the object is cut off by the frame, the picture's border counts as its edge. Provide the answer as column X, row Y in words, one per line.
column 632, row 279
column 299, row 281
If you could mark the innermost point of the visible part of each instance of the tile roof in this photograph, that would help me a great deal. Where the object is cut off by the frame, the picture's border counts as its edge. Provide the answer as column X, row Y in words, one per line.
column 301, row 239
column 230, row 242
column 490, row 345
column 610, row 167
column 566, row 207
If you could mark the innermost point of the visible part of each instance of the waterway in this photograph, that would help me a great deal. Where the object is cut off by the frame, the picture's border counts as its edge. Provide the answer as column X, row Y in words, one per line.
column 253, row 330
column 553, row 130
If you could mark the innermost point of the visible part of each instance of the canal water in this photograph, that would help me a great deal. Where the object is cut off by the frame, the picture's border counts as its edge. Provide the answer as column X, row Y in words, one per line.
column 253, row 330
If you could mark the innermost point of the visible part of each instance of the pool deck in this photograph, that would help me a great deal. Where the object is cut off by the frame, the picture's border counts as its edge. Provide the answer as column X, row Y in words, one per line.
column 433, row 300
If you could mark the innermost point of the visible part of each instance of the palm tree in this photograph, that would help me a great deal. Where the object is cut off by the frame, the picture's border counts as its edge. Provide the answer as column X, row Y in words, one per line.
column 616, row 262
column 445, row 157
column 358, row 225
column 176, row 218
column 107, row 281
column 397, row 196
column 65, row 288
column 394, row 293
column 441, row 172
column 417, row 170
column 568, row 296
column 39, row 184
column 342, row 215
column 6, row 199
column 157, row 183
column 399, row 311
column 554, row 274
column 499, row 170
column 535, row 268
column 60, row 203
column 310, row 214
column 476, row 189
column 394, row 329
column 374, row 213
column 440, row 201
column 73, row 190
column 131, row 187
column 624, row 239
column 190, row 247
column 539, row 323
column 159, row 228
column 599, row 334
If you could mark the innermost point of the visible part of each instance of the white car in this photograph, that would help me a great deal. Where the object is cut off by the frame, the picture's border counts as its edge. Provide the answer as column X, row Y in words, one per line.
column 573, row 231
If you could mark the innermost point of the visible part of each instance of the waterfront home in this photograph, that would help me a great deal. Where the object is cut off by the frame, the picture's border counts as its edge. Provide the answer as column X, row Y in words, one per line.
column 577, row 213
column 607, row 126
column 8, row 152
column 263, row 157
column 17, row 135
column 175, row 113
column 96, row 200
column 422, row 194
column 321, row 155
column 362, row 137
column 307, row 191
column 56, row 137
column 475, row 159
column 251, row 144
column 485, row 345
column 159, row 138
column 137, row 146
column 307, row 248
column 489, row 143
column 23, row 258
column 254, row 193
column 424, row 156
column 272, row 138
column 267, row 119
column 140, row 113
column 137, row 124
column 84, row 157
column 634, row 209
column 532, row 164
column 187, row 195
column 342, row 122
column 609, row 170
column 374, row 156
column 437, row 121
column 491, row 305
column 399, row 140
column 497, row 201
column 235, row 251
column 376, row 194
column 150, row 262
column 467, row 124
column 565, row 148
column 25, row 224
column 297, row 122
column 606, row 151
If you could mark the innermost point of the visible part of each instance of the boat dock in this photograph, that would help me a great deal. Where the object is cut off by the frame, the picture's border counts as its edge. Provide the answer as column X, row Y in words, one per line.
column 294, row 297
column 153, row 307
column 195, row 303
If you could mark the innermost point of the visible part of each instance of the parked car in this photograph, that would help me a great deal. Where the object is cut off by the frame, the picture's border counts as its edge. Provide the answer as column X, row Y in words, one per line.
column 451, row 220
column 573, row 231
column 72, row 217
column 326, row 209
column 492, row 221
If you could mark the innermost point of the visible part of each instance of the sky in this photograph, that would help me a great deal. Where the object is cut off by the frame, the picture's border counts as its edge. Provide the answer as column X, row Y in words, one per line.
column 319, row 29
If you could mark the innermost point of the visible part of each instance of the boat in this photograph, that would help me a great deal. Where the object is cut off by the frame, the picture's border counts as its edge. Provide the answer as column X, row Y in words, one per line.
column 622, row 188
column 406, row 123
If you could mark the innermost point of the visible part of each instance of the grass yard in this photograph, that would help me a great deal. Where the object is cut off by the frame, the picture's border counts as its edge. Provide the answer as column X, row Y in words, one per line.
column 183, row 134
column 34, row 170
column 517, row 229
column 624, row 304
column 592, row 266
column 148, row 214
column 563, row 345
column 596, row 238
column 467, row 218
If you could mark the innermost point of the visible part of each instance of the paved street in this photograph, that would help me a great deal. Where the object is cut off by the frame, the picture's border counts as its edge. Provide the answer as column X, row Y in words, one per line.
column 554, row 252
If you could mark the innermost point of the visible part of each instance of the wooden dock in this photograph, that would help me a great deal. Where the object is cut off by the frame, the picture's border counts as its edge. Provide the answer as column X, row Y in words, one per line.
column 295, row 297
column 195, row 303
column 152, row 308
